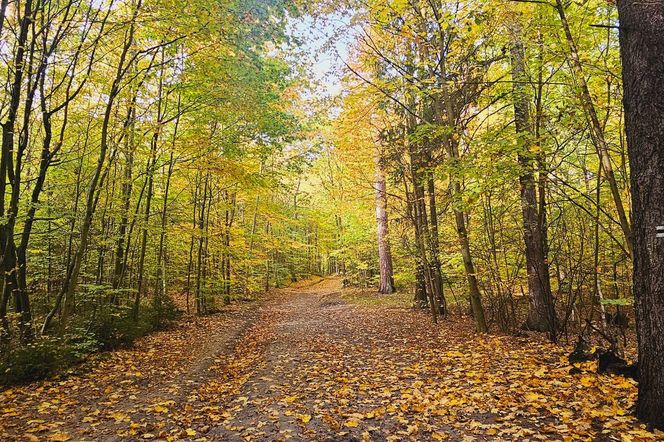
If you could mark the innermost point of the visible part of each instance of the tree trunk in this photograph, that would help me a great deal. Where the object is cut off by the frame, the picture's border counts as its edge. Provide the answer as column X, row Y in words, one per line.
column 127, row 187
column 194, row 224
column 160, row 289
column 420, row 298
column 436, row 266
column 469, row 267
column 200, row 297
column 642, row 49
column 386, row 284
column 446, row 114
column 7, row 174
column 71, row 278
column 146, row 221
column 541, row 312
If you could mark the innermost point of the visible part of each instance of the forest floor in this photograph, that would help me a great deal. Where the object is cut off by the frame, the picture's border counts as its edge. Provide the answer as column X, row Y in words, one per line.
column 310, row 363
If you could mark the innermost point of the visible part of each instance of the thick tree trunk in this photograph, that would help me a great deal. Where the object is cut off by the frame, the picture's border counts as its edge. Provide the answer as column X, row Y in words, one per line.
column 386, row 284
column 7, row 175
column 642, row 48
column 541, row 312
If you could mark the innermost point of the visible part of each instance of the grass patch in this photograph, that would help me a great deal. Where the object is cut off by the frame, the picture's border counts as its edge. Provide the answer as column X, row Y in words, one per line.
column 371, row 298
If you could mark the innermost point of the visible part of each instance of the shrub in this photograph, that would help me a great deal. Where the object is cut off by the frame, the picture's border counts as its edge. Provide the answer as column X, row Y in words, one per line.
column 161, row 311
column 43, row 357
column 110, row 327
column 116, row 327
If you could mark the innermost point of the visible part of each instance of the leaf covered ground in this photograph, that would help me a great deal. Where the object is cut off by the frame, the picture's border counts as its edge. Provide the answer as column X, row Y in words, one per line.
column 308, row 365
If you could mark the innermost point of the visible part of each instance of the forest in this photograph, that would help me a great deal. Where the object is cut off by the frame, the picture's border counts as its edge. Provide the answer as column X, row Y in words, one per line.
column 342, row 220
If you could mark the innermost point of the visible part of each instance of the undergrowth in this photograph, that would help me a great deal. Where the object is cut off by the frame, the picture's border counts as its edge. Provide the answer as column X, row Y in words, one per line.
column 67, row 346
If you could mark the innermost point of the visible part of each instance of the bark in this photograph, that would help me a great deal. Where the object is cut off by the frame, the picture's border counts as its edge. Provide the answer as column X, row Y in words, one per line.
column 428, row 288
column 150, row 170
column 161, row 252
column 386, row 283
column 420, row 224
column 541, row 312
column 596, row 249
column 642, row 50
column 201, row 307
column 452, row 147
column 229, row 216
column 8, row 262
column 127, row 186
column 435, row 246
column 469, row 267
column 3, row 14
column 192, row 239
column 144, row 230
column 420, row 298
column 431, row 218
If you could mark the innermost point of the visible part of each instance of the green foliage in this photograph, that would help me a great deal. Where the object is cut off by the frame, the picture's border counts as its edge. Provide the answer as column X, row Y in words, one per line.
column 115, row 326
column 112, row 327
column 618, row 302
column 44, row 357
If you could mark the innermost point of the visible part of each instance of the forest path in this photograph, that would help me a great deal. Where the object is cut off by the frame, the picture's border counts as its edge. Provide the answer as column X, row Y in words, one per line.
column 315, row 367
column 129, row 393
column 306, row 365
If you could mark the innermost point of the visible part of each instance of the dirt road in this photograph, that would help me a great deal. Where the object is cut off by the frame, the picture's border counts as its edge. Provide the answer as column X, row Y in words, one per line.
column 306, row 365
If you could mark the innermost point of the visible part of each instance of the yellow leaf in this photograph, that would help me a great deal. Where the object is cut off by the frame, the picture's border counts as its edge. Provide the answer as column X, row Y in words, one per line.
column 587, row 381
column 190, row 432
column 305, row 418
column 160, row 409
column 352, row 423
column 119, row 417
column 59, row 437
column 148, row 436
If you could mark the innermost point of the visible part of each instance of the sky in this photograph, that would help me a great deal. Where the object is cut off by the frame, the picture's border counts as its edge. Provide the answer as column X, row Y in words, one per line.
column 325, row 45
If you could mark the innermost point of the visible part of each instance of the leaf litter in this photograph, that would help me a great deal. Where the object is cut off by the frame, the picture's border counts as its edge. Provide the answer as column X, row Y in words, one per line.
column 306, row 365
